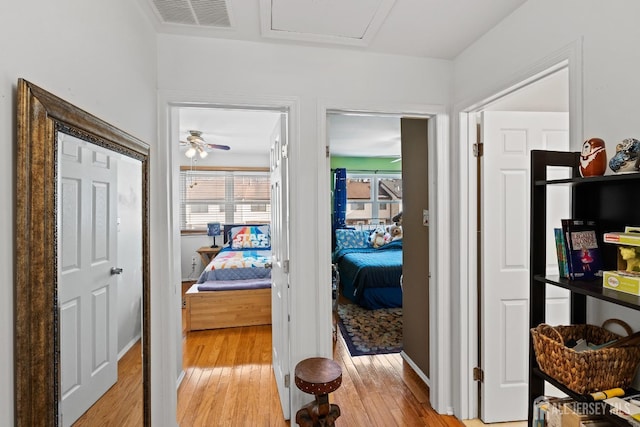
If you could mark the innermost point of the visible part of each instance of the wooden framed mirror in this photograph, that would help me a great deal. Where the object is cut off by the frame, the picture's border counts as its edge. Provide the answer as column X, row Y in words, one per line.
column 43, row 121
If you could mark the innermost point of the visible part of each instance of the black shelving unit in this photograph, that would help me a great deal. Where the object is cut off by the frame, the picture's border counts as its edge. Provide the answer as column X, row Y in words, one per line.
column 612, row 201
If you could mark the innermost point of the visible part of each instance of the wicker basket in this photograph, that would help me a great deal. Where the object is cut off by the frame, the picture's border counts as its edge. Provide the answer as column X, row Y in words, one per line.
column 587, row 371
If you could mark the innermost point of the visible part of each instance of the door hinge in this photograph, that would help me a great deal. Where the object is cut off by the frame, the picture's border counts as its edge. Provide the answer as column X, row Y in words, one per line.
column 478, row 374
column 285, row 266
column 478, row 149
column 327, row 151
column 287, row 380
column 285, row 151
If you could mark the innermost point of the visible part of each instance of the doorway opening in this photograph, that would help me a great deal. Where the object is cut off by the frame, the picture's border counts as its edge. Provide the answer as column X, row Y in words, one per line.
column 367, row 199
column 373, row 221
column 532, row 115
column 224, row 214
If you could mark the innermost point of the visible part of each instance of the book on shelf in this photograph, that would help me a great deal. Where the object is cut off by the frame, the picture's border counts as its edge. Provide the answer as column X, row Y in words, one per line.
column 630, row 237
column 584, row 259
column 563, row 269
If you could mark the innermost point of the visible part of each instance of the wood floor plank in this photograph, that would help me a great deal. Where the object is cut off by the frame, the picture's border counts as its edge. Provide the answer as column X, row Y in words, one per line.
column 229, row 381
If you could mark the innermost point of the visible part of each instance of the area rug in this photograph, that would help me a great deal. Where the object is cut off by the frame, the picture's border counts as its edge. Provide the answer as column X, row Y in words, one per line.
column 370, row 331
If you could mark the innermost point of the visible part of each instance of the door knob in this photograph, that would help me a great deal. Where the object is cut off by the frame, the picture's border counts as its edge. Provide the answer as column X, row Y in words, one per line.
column 116, row 270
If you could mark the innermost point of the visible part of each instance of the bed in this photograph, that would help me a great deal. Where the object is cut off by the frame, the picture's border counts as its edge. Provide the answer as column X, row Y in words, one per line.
column 234, row 289
column 370, row 277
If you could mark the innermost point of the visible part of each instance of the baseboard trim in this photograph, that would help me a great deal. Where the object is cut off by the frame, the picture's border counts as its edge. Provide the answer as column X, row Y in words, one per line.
column 180, row 378
column 128, row 346
column 415, row 368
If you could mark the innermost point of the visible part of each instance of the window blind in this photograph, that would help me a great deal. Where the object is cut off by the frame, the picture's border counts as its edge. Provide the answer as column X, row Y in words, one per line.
column 228, row 197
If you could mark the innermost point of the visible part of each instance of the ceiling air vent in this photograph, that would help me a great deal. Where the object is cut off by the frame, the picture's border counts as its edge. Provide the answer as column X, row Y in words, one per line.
column 207, row 13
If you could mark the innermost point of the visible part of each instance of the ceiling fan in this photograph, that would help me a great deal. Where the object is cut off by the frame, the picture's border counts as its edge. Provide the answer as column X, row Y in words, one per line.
column 198, row 145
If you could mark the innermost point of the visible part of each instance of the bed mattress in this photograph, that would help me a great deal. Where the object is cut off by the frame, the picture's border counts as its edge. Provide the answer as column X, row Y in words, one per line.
column 233, row 285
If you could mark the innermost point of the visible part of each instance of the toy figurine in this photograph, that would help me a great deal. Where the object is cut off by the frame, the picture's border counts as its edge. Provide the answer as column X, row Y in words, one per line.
column 593, row 158
column 627, row 156
column 630, row 255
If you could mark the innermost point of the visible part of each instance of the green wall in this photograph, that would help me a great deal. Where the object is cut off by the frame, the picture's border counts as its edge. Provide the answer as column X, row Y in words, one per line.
column 366, row 163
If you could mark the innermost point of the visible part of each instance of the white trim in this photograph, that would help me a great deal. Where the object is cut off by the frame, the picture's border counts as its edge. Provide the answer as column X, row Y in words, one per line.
column 167, row 152
column 163, row 319
column 440, row 337
column 463, row 129
column 127, row 347
column 439, row 297
column 415, row 368
column 179, row 380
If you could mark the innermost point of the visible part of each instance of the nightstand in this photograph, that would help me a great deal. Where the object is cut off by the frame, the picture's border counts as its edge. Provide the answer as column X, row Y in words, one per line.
column 207, row 253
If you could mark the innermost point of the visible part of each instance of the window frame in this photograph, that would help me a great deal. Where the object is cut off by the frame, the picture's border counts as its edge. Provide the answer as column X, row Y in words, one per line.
column 374, row 180
column 230, row 206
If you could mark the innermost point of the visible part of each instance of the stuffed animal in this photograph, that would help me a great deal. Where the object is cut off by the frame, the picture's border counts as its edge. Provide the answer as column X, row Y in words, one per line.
column 397, row 219
column 396, row 232
column 377, row 238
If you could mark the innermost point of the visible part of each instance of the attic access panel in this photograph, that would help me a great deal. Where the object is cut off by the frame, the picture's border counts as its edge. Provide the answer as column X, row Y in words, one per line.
column 354, row 22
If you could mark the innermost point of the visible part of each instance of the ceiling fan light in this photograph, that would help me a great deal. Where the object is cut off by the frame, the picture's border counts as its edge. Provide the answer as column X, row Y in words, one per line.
column 190, row 152
column 203, row 154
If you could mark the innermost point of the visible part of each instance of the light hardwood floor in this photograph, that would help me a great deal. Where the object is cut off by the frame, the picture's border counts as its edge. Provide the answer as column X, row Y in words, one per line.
column 121, row 405
column 229, row 382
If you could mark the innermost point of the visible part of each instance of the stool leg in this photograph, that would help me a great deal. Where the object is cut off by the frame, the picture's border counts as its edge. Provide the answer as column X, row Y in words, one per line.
column 318, row 413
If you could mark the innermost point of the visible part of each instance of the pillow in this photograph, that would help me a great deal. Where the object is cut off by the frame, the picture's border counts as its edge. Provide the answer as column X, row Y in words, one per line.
column 250, row 236
column 351, row 239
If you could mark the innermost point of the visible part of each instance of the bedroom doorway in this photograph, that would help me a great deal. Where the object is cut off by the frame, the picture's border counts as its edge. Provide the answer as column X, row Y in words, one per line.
column 229, row 184
column 369, row 148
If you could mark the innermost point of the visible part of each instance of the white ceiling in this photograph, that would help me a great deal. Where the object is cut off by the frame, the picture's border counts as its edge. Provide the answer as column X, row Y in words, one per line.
column 245, row 131
column 425, row 28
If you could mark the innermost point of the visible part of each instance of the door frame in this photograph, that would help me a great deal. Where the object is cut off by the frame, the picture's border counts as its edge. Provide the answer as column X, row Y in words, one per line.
column 440, row 366
column 569, row 57
column 166, row 248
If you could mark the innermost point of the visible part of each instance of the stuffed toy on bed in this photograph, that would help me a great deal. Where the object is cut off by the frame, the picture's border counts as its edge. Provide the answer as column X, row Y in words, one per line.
column 377, row 238
column 396, row 232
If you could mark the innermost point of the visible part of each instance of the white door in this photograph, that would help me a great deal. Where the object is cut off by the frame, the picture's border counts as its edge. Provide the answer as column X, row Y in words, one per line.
column 280, row 261
column 86, row 288
column 508, row 138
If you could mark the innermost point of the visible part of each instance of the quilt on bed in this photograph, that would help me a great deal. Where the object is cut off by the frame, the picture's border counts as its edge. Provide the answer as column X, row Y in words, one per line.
column 371, row 276
column 239, row 264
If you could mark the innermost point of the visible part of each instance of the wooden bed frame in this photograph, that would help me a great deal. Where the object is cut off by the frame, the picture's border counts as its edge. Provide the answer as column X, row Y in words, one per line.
column 227, row 309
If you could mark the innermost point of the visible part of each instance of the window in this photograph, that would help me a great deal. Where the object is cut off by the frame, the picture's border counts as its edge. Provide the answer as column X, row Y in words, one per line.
column 228, row 197
column 373, row 198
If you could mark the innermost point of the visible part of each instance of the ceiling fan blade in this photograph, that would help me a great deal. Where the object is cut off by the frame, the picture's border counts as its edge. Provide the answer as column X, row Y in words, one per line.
column 218, row 146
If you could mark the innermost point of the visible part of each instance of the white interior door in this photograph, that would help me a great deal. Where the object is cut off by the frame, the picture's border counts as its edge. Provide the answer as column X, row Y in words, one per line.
column 508, row 138
column 86, row 288
column 280, row 261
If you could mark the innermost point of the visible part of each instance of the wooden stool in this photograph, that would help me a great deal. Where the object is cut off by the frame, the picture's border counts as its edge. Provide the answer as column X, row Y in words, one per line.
column 318, row 376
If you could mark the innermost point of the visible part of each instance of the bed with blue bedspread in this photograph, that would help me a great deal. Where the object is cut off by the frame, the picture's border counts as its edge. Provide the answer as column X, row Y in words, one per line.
column 369, row 276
